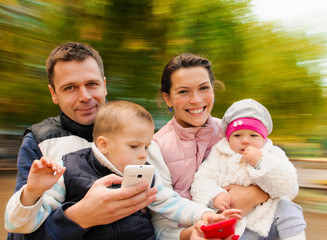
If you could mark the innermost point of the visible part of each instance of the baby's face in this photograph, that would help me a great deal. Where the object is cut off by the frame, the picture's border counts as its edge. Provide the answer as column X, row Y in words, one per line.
column 129, row 146
column 240, row 139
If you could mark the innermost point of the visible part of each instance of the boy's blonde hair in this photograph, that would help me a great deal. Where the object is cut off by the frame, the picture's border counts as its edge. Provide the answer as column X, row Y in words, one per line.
column 111, row 117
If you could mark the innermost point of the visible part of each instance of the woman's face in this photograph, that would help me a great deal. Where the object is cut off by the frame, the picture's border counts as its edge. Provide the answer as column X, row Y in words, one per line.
column 191, row 96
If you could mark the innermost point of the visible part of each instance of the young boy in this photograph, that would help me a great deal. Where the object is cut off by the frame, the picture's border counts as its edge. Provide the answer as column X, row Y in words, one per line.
column 246, row 157
column 122, row 133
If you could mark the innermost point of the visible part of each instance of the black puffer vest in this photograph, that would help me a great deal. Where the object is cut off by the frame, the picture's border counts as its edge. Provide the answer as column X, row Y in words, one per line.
column 59, row 126
column 82, row 169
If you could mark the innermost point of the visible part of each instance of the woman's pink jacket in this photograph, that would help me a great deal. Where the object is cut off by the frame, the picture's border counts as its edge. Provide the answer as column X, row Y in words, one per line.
column 184, row 149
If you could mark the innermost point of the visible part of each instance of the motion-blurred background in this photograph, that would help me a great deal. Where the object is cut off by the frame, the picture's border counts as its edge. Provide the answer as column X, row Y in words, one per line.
column 283, row 66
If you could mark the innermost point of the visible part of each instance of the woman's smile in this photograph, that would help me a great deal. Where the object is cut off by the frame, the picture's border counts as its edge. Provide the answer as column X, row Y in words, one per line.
column 196, row 110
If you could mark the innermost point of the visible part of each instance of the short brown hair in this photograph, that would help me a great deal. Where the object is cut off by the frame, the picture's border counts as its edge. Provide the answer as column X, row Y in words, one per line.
column 71, row 51
column 111, row 117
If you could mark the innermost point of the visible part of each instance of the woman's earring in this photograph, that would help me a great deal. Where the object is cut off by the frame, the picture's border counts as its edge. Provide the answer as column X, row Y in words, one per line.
column 170, row 109
column 213, row 100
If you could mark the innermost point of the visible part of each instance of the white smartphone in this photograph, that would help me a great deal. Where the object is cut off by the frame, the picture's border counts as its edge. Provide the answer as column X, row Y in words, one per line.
column 134, row 174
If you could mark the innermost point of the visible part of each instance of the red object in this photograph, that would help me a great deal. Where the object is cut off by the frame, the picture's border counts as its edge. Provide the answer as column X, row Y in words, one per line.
column 220, row 229
column 235, row 237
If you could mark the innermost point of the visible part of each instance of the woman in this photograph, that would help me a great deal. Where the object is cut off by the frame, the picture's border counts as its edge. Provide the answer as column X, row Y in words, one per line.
column 179, row 147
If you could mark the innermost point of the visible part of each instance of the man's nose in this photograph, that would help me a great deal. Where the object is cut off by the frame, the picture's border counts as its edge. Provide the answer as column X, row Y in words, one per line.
column 84, row 94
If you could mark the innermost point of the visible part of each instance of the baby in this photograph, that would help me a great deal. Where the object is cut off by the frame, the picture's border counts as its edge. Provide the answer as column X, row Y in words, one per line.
column 247, row 157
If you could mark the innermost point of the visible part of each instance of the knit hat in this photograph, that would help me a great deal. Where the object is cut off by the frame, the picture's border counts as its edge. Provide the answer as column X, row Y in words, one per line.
column 247, row 114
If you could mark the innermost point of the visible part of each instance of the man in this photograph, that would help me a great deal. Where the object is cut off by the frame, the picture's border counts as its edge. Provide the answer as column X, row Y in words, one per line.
column 77, row 84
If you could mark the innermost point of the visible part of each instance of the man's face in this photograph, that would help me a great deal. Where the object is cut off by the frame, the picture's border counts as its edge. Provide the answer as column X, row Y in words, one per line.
column 79, row 90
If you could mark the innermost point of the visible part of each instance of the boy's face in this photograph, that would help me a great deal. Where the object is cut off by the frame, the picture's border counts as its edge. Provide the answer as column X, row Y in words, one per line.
column 129, row 146
column 240, row 139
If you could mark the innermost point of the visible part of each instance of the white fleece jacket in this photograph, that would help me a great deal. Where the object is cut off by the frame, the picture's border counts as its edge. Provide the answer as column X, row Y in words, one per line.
column 274, row 174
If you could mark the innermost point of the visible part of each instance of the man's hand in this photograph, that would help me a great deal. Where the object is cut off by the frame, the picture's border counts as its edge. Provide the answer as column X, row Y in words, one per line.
column 102, row 205
column 246, row 198
column 43, row 175
column 252, row 155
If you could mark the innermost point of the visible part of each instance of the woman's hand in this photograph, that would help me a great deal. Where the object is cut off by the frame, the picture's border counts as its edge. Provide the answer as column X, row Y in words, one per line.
column 197, row 233
column 246, row 198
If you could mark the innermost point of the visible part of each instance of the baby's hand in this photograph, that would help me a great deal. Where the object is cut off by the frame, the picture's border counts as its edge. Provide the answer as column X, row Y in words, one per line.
column 222, row 201
column 252, row 155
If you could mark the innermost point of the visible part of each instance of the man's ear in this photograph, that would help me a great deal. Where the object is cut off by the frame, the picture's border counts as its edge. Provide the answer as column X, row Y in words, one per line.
column 53, row 94
column 167, row 99
column 102, row 144
column 105, row 85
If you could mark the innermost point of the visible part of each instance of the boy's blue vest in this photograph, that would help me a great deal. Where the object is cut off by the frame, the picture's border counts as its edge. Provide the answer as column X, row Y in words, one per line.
column 82, row 170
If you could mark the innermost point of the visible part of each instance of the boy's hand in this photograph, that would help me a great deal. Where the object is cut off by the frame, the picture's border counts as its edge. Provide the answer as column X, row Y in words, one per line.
column 43, row 175
column 210, row 217
column 252, row 155
column 232, row 213
column 222, row 201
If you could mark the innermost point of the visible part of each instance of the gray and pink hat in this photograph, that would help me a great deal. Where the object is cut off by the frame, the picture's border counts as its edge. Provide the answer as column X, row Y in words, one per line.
column 247, row 114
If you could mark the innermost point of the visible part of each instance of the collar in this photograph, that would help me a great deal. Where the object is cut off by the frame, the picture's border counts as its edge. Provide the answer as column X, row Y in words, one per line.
column 104, row 161
column 83, row 131
column 191, row 133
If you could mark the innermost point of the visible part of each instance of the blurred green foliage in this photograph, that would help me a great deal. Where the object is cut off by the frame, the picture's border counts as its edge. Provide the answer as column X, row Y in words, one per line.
column 278, row 67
